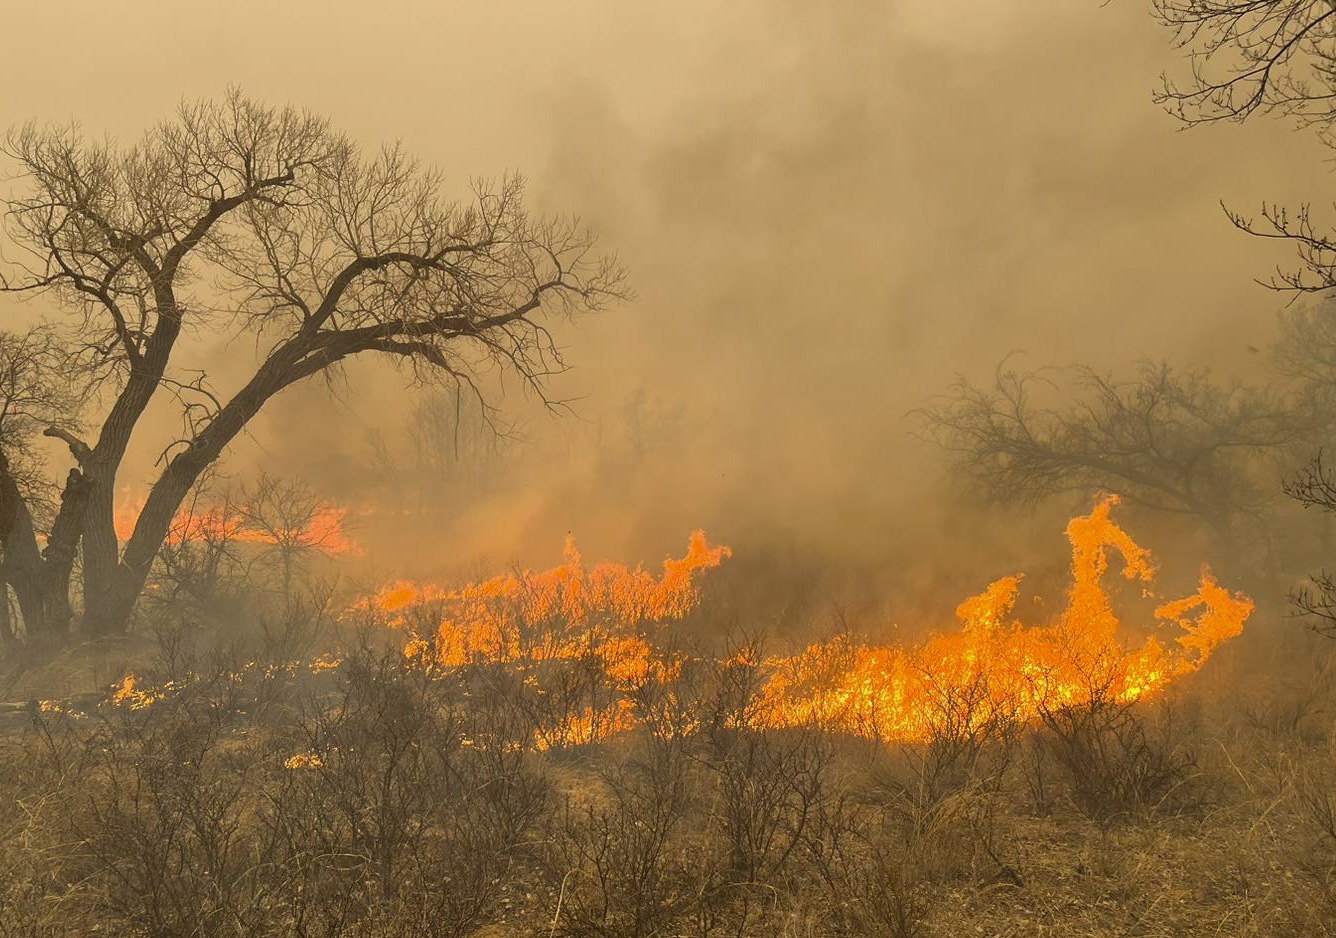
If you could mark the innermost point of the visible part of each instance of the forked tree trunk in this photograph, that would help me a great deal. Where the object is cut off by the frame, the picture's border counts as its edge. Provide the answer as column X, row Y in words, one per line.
column 40, row 578
column 112, row 590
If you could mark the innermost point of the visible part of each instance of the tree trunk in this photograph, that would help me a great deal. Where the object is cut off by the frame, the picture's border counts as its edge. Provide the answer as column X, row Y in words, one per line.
column 100, row 549
column 7, row 636
column 112, row 603
column 112, row 585
column 41, row 579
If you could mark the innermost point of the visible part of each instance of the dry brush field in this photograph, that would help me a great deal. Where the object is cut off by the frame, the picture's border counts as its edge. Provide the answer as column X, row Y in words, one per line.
column 582, row 752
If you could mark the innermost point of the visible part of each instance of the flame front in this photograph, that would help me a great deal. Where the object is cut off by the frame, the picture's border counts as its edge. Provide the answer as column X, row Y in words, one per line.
column 563, row 612
column 992, row 666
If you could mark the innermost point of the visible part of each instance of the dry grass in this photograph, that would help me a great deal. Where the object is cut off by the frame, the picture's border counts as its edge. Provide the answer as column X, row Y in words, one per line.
column 430, row 813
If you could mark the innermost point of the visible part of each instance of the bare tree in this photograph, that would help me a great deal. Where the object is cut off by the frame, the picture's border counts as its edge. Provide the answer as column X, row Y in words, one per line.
column 451, row 450
column 1306, row 352
column 200, row 561
column 1252, row 55
column 1171, row 441
column 457, row 443
column 651, row 425
column 289, row 518
column 1262, row 56
column 265, row 222
column 1315, row 487
column 33, row 393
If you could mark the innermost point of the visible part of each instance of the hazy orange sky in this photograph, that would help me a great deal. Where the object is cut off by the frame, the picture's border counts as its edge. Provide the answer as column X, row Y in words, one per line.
column 827, row 210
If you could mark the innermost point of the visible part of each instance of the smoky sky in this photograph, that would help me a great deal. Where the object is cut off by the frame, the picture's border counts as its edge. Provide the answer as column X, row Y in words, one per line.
column 827, row 211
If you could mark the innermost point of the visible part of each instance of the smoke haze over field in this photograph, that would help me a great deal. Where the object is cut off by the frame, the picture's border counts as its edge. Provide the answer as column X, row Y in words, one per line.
column 827, row 211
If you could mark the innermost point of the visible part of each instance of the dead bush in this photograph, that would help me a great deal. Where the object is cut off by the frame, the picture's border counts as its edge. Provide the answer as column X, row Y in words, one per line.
column 1112, row 760
column 623, row 869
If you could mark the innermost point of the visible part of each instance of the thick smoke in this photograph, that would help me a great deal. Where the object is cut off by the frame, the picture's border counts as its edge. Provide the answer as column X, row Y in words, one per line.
column 827, row 210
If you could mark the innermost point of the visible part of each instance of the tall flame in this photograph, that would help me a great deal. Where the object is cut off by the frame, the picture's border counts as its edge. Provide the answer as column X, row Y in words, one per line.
column 994, row 665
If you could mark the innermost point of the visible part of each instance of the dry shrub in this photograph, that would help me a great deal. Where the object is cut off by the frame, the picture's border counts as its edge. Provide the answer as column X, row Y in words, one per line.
column 401, row 801
column 1113, row 761
column 624, row 871
column 188, row 814
column 1311, row 801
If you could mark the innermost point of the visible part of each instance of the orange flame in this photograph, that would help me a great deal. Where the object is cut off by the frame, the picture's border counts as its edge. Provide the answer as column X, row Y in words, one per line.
column 324, row 532
column 992, row 667
column 558, row 613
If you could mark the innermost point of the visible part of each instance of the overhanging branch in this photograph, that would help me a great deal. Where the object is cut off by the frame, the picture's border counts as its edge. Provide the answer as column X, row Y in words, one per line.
column 83, row 453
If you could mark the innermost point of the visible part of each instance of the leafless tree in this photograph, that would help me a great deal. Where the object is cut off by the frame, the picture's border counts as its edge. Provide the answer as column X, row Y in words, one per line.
column 1171, row 441
column 457, row 441
column 199, row 566
column 1315, row 487
column 452, row 449
column 1306, row 352
column 1252, row 55
column 1262, row 56
column 286, row 516
column 1304, row 355
column 33, row 393
column 651, row 425
column 266, row 223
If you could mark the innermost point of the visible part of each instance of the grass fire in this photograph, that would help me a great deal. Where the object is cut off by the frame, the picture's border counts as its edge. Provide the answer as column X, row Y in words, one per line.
column 367, row 395
column 614, row 618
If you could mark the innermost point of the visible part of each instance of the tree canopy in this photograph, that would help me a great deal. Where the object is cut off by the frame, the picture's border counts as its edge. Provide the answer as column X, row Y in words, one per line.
column 240, row 218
